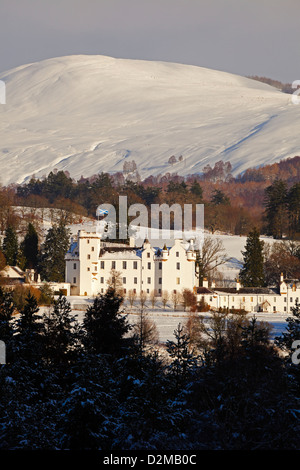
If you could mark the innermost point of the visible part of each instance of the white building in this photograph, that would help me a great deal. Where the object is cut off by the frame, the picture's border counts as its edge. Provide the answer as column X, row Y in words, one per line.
column 252, row 299
column 90, row 261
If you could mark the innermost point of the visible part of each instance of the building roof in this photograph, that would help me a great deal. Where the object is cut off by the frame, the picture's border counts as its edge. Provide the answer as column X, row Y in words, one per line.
column 120, row 252
column 13, row 272
column 203, row 290
column 246, row 290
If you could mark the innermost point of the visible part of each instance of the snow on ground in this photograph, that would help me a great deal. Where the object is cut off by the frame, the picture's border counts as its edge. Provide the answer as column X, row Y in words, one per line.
column 167, row 320
column 88, row 114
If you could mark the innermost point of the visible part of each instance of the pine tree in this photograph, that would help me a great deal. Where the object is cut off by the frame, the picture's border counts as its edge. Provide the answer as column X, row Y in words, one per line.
column 52, row 264
column 252, row 272
column 293, row 204
column 6, row 312
column 29, row 247
column 105, row 326
column 182, row 359
column 28, row 342
column 276, row 208
column 59, row 331
column 10, row 246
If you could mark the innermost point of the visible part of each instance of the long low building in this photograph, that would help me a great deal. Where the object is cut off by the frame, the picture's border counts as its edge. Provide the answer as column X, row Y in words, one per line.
column 281, row 298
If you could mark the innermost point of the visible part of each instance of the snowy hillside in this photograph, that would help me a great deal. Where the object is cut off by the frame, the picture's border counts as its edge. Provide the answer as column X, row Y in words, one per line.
column 88, row 114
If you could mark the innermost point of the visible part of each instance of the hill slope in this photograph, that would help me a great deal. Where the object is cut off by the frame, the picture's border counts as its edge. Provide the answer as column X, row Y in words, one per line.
column 88, row 114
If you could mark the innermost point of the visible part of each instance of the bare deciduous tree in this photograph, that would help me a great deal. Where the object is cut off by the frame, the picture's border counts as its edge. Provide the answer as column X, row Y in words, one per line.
column 211, row 255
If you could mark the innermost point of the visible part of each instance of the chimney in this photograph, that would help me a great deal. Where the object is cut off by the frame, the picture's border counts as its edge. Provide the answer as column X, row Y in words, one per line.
column 205, row 283
column 238, row 285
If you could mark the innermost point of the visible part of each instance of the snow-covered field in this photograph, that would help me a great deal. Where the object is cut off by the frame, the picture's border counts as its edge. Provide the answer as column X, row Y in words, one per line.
column 167, row 320
column 88, row 114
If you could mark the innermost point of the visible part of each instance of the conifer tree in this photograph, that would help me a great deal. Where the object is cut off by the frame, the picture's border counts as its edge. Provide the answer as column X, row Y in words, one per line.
column 29, row 247
column 28, row 342
column 105, row 326
column 10, row 246
column 276, row 208
column 52, row 264
column 59, row 331
column 182, row 359
column 6, row 312
column 252, row 272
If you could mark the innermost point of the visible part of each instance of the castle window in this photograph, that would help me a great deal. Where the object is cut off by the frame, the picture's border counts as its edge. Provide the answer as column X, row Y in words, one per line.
column 177, row 254
column 124, row 265
column 135, row 265
column 135, row 280
column 74, row 266
column 149, row 280
column 88, row 256
column 148, row 255
column 160, row 265
column 178, row 280
column 102, row 280
column 124, row 280
column 113, row 265
column 177, row 265
column 159, row 280
column 102, row 264
column 149, row 265
column 74, row 280
column 93, row 248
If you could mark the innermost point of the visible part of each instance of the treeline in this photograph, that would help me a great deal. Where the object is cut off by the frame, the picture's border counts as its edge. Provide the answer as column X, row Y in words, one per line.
column 95, row 385
column 284, row 87
column 46, row 257
column 233, row 205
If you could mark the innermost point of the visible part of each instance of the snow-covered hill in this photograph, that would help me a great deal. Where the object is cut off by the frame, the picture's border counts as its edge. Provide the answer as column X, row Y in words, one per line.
column 88, row 114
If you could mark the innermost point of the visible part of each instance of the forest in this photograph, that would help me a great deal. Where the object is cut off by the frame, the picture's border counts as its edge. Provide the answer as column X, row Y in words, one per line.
column 232, row 205
column 104, row 384
column 222, row 383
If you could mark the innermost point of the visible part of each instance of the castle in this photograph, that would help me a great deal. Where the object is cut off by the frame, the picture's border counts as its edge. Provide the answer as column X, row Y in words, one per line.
column 91, row 260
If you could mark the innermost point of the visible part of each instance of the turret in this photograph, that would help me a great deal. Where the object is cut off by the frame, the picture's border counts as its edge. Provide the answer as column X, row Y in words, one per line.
column 165, row 253
column 191, row 254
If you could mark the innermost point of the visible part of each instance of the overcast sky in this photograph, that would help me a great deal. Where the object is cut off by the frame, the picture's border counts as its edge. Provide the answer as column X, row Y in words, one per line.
column 247, row 37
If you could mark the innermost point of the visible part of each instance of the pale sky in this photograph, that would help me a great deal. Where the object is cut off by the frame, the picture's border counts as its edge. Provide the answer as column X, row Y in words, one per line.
column 247, row 37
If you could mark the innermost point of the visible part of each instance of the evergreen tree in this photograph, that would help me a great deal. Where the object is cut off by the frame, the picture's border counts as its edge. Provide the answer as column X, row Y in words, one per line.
column 105, row 326
column 52, row 264
column 276, row 208
column 10, row 246
column 29, row 247
column 182, row 359
column 220, row 198
column 6, row 313
column 59, row 331
column 196, row 190
column 28, row 342
column 293, row 204
column 252, row 272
